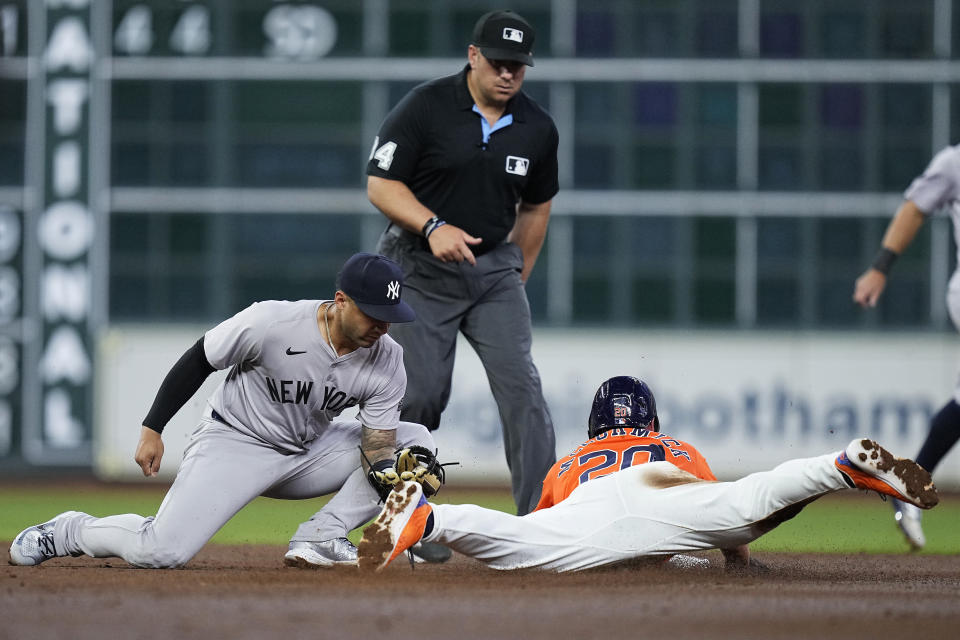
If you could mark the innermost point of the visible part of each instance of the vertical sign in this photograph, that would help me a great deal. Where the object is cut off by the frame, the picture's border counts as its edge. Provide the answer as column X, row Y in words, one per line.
column 60, row 370
column 10, row 327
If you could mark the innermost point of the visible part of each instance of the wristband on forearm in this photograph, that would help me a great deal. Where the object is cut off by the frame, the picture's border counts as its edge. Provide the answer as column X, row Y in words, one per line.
column 884, row 260
column 431, row 225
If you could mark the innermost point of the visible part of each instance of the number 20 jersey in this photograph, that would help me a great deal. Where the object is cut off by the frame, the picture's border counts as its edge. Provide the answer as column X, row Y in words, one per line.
column 617, row 449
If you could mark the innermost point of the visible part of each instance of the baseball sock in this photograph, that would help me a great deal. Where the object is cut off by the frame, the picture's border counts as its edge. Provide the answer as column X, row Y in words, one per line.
column 944, row 433
column 428, row 528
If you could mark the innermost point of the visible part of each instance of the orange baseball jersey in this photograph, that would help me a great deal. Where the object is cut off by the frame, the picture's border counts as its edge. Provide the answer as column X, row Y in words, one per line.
column 617, row 449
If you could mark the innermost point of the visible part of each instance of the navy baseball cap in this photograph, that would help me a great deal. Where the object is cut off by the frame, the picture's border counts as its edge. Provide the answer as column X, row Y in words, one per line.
column 504, row 35
column 374, row 283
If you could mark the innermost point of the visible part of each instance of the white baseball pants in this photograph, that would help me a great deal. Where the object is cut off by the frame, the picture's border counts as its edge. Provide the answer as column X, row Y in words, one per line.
column 629, row 514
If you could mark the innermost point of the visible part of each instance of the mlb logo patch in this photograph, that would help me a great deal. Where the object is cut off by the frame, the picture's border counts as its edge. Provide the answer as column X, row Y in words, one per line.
column 509, row 33
column 517, row 166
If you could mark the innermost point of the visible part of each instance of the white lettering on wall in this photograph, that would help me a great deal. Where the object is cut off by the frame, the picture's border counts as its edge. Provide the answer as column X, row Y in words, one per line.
column 70, row 4
column 65, row 293
column 9, row 234
column 67, row 98
column 66, row 169
column 60, row 428
column 9, row 294
column 66, row 230
column 9, row 366
column 69, row 46
column 65, row 357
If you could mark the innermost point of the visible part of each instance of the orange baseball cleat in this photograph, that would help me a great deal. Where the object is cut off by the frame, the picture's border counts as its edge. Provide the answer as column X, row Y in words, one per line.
column 399, row 526
column 864, row 464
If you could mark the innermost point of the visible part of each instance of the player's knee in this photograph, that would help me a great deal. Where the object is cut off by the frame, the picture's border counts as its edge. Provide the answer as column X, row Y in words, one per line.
column 162, row 558
column 152, row 553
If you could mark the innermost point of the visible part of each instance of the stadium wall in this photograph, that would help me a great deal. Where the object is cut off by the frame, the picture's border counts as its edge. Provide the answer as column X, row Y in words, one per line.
column 746, row 400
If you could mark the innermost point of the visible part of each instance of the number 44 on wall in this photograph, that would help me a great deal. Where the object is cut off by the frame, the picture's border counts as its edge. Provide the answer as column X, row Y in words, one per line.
column 134, row 34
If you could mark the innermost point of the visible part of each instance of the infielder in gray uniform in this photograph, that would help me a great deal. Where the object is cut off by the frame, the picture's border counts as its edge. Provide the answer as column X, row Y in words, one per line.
column 938, row 188
column 270, row 428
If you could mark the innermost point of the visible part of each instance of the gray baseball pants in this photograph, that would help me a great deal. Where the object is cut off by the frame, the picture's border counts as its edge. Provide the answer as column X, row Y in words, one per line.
column 488, row 304
column 221, row 472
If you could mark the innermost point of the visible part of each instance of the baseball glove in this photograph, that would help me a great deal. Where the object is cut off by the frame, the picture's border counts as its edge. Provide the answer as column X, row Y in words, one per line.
column 420, row 464
column 415, row 463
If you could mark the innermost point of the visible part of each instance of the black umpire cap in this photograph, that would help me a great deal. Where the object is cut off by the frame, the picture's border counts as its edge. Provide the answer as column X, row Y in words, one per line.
column 504, row 35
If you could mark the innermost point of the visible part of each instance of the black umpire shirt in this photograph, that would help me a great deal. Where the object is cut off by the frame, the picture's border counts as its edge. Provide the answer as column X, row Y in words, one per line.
column 433, row 141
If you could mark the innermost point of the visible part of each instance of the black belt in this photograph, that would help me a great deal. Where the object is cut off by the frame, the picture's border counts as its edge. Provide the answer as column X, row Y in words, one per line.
column 416, row 241
column 219, row 418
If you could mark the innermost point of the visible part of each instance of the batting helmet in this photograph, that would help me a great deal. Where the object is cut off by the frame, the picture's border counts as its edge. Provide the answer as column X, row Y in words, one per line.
column 623, row 401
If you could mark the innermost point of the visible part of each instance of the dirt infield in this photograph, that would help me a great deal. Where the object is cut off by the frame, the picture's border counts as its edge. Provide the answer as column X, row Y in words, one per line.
column 245, row 592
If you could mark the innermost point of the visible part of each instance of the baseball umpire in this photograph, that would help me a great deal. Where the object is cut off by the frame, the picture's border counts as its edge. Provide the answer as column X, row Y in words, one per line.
column 465, row 168
column 631, row 492
column 937, row 188
column 270, row 428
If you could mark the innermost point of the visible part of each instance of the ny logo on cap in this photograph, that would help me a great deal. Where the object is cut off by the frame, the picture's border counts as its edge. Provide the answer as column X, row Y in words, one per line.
column 393, row 290
column 509, row 33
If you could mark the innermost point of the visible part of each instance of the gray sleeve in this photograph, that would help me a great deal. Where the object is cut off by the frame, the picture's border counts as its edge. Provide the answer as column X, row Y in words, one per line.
column 382, row 409
column 938, row 185
column 238, row 339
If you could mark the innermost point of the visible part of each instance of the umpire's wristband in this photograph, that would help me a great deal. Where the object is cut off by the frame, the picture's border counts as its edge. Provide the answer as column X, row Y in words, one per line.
column 431, row 225
column 884, row 260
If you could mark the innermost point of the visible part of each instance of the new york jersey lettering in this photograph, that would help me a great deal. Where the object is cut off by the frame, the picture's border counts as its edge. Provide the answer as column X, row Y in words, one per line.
column 289, row 391
column 336, row 400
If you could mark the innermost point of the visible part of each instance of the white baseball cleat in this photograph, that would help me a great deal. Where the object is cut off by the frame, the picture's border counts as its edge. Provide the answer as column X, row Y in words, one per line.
column 35, row 544
column 864, row 464
column 400, row 525
column 908, row 518
column 318, row 555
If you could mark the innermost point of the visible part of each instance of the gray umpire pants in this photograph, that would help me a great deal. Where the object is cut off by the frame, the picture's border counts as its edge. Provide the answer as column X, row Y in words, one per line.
column 488, row 304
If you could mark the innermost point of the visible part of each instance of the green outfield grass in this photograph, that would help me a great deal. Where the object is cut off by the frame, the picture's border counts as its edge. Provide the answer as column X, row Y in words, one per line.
column 847, row 523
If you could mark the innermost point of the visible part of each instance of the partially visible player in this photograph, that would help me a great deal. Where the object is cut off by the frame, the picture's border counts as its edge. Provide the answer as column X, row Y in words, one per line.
column 938, row 188
column 271, row 428
column 644, row 506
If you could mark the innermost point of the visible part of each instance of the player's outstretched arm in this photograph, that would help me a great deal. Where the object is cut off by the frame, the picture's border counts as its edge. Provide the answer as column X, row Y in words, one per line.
column 900, row 233
column 149, row 451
